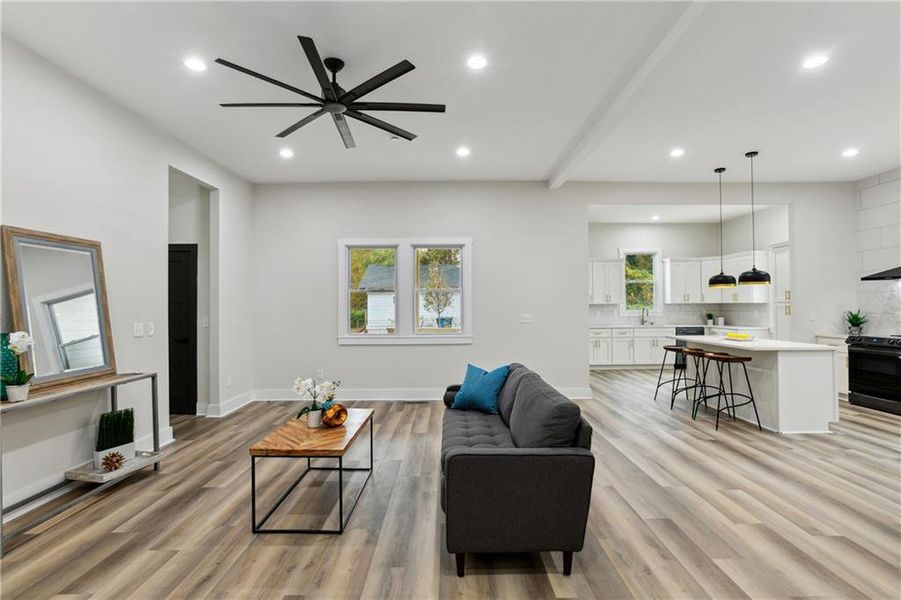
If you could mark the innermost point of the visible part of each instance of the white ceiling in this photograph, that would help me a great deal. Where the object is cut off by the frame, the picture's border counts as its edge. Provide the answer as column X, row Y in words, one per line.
column 633, row 213
column 731, row 83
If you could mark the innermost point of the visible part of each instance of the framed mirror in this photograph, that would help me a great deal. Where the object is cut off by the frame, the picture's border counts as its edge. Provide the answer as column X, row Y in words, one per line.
column 57, row 293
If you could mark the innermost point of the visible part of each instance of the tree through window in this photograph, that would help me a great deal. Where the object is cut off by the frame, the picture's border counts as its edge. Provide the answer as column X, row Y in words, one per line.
column 641, row 288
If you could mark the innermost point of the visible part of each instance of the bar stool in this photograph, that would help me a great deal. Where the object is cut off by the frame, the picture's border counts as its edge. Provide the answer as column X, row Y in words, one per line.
column 698, row 384
column 677, row 352
column 724, row 362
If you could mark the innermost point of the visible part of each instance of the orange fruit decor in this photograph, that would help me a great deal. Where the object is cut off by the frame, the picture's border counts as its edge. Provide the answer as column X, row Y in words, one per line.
column 334, row 415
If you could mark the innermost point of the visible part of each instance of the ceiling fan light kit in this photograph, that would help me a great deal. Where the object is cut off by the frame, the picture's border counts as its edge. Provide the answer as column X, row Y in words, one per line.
column 335, row 101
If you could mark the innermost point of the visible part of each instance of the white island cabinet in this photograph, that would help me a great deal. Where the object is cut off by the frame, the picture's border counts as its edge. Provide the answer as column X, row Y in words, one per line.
column 793, row 383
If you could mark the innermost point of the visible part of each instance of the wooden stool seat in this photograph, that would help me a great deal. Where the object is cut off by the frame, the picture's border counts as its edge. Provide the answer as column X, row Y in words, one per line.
column 693, row 351
column 677, row 349
column 727, row 358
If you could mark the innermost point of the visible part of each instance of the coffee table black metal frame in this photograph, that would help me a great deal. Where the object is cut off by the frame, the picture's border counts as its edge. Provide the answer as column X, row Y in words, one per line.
column 342, row 520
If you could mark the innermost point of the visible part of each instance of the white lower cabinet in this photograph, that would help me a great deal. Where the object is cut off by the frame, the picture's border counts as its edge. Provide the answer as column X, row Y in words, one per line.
column 599, row 351
column 621, row 351
column 627, row 346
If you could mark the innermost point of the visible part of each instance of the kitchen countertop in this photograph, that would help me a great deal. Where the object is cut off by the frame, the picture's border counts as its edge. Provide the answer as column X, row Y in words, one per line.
column 756, row 345
column 673, row 326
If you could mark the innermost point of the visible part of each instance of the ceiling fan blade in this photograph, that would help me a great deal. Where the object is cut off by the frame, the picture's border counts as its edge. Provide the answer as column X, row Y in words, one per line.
column 268, row 79
column 401, row 106
column 381, row 124
column 308, row 119
column 309, row 48
column 386, row 76
column 344, row 130
column 269, row 104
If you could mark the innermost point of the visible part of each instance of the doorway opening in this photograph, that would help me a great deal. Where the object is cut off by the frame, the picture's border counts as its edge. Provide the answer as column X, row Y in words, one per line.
column 189, row 294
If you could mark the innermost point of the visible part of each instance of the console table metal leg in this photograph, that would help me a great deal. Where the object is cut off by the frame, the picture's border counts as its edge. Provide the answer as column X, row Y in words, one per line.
column 114, row 398
column 341, row 494
column 156, row 419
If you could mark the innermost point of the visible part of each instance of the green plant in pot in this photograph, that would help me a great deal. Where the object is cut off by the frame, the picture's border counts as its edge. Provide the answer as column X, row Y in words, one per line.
column 115, row 436
column 856, row 321
column 710, row 318
column 18, row 384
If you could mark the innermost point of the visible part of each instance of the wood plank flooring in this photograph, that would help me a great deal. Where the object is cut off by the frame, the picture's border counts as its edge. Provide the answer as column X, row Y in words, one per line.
column 678, row 511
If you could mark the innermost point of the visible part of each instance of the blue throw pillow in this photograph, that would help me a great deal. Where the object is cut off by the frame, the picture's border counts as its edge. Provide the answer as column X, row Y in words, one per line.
column 480, row 389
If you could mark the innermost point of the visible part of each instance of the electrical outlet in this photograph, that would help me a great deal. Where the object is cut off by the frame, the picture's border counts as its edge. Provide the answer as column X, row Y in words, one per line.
column 205, row 322
column 228, row 381
column 138, row 330
column 319, row 374
column 149, row 329
column 526, row 318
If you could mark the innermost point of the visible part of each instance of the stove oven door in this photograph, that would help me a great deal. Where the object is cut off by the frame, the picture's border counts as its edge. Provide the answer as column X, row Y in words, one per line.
column 875, row 373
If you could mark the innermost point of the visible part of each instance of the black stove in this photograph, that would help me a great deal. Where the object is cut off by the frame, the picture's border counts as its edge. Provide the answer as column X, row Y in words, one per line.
column 874, row 372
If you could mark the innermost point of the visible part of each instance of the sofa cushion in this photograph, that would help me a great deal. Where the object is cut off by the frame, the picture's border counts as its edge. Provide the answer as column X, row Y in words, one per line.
column 542, row 417
column 480, row 389
column 472, row 429
column 508, row 392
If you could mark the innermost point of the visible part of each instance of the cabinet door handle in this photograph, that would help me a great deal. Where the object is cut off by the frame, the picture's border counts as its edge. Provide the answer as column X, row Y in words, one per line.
column 788, row 294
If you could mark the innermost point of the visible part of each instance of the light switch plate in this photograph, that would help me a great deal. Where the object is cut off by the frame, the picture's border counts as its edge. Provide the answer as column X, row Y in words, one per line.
column 138, row 330
column 526, row 318
column 205, row 322
column 149, row 328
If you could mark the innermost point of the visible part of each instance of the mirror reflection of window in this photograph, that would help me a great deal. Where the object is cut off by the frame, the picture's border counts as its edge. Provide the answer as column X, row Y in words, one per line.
column 61, row 308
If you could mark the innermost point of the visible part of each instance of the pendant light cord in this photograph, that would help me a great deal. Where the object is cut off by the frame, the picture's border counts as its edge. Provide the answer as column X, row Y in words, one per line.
column 753, row 219
column 722, row 265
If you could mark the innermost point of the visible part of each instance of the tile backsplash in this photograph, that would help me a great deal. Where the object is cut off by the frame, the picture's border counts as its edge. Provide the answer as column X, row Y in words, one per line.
column 748, row 315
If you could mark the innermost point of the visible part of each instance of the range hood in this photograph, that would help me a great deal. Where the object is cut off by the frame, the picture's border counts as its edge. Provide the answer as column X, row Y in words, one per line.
column 884, row 275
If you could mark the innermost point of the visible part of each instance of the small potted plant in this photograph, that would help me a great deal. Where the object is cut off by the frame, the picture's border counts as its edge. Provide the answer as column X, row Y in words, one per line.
column 710, row 318
column 115, row 439
column 856, row 321
column 17, row 385
column 323, row 391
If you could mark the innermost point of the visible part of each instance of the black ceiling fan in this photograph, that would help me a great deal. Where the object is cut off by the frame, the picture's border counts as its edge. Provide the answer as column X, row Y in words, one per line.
column 335, row 100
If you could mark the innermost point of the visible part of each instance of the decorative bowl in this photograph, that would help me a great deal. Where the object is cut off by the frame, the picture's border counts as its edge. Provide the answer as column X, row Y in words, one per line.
column 334, row 415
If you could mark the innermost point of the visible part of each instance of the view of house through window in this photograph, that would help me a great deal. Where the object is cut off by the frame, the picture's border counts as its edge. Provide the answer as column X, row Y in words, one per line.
column 640, row 281
column 372, row 290
column 438, row 290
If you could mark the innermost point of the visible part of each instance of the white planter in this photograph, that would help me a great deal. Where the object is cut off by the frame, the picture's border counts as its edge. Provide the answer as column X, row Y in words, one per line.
column 126, row 450
column 710, row 322
column 314, row 418
column 720, row 321
column 17, row 393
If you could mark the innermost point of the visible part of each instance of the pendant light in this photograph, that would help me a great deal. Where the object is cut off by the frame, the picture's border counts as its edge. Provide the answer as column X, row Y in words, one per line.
column 754, row 276
column 722, row 280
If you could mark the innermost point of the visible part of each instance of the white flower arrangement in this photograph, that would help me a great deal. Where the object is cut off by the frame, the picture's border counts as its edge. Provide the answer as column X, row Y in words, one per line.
column 20, row 342
column 317, row 390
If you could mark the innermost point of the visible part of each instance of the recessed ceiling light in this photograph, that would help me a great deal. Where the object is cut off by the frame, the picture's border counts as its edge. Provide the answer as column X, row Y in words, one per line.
column 676, row 152
column 462, row 151
column 849, row 152
column 655, row 217
column 195, row 64
column 812, row 62
column 286, row 153
column 476, row 61
column 394, row 138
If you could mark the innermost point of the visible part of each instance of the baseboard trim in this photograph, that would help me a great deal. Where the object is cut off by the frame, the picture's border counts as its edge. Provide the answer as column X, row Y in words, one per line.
column 576, row 393
column 231, row 405
column 351, row 394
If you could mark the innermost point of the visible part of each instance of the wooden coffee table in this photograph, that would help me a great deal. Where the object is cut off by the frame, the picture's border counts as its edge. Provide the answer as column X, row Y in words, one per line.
column 295, row 439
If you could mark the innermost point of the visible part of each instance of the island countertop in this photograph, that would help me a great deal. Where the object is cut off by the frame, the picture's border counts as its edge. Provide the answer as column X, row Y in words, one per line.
column 755, row 345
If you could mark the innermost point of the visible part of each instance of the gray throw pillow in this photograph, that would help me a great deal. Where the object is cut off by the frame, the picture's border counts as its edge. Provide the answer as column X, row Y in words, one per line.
column 542, row 417
column 507, row 395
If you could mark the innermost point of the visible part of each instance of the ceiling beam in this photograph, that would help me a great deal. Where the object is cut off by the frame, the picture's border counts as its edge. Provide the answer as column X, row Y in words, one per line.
column 608, row 114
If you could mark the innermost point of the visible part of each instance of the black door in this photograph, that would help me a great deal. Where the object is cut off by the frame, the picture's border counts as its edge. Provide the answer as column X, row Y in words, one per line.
column 183, row 329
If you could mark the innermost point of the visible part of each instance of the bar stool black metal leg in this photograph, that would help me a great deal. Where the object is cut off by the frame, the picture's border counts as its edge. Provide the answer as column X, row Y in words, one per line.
column 731, row 391
column 751, row 396
column 660, row 375
column 720, row 393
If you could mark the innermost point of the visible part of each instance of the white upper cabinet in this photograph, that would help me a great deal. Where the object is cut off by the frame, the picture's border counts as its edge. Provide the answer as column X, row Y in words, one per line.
column 682, row 281
column 737, row 264
column 781, row 274
column 709, row 268
column 605, row 281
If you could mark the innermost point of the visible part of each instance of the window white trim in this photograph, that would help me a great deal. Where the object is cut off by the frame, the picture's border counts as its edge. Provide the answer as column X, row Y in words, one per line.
column 405, row 293
column 658, row 279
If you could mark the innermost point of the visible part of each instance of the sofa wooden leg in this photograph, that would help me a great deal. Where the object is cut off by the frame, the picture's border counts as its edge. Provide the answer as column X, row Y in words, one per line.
column 461, row 558
column 567, row 563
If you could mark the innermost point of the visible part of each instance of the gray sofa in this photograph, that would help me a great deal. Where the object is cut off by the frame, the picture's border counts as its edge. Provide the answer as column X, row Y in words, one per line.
column 519, row 481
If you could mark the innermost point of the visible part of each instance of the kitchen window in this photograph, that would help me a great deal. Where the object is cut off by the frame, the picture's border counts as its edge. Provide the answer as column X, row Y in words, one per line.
column 405, row 291
column 642, row 274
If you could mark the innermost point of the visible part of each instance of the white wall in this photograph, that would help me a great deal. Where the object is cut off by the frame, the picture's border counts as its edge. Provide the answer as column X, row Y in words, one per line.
column 878, row 224
column 74, row 162
column 189, row 223
column 675, row 239
column 773, row 226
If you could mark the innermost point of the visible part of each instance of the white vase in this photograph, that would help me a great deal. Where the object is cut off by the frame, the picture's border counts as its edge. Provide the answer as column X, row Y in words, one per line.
column 710, row 322
column 126, row 450
column 721, row 321
column 314, row 418
column 17, row 393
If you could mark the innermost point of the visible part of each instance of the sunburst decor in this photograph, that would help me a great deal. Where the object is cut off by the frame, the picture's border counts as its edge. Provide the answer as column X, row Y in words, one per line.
column 334, row 415
column 113, row 461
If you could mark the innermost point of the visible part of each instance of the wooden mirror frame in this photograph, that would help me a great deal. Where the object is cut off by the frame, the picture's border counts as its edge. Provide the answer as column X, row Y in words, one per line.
column 17, row 307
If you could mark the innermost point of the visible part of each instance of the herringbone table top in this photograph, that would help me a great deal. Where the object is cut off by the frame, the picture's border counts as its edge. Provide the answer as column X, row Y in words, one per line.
column 295, row 438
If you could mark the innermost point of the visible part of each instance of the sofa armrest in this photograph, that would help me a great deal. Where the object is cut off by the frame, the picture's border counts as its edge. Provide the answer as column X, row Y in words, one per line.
column 517, row 499
column 450, row 394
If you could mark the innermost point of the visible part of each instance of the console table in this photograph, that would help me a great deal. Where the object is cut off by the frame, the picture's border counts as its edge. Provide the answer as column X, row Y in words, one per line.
column 143, row 459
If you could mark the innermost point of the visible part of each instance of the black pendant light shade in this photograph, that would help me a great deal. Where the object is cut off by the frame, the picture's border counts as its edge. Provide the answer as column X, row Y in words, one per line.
column 722, row 280
column 755, row 276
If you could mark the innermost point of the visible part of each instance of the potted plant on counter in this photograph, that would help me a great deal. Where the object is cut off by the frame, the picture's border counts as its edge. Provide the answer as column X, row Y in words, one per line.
column 856, row 321
column 710, row 318
column 18, row 384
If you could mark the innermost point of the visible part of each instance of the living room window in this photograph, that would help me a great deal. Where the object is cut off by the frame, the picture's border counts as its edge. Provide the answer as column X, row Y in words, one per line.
column 642, row 272
column 404, row 291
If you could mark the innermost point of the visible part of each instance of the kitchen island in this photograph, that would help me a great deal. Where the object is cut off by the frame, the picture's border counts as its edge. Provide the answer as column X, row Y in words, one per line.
column 793, row 382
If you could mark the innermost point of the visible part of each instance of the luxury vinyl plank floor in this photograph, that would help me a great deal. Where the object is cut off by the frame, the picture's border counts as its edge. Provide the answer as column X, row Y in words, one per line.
column 679, row 510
